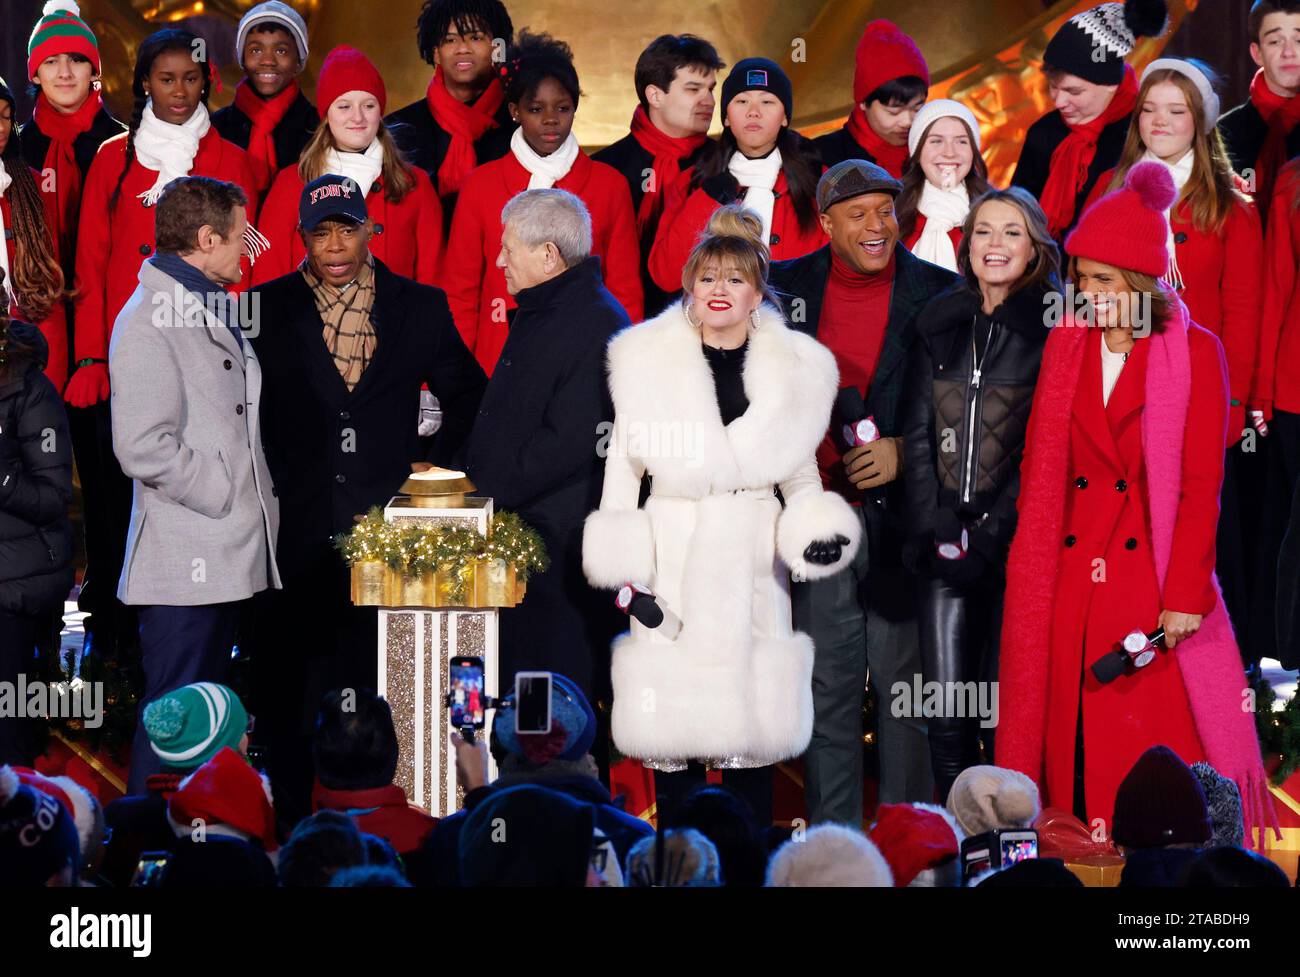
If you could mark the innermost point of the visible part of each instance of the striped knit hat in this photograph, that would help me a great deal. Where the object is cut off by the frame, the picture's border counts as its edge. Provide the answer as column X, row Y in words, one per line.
column 190, row 725
column 61, row 31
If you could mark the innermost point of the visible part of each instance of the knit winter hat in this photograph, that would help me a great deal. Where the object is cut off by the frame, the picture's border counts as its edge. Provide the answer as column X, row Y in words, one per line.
column 547, row 839
column 984, row 797
column 279, row 14
column 759, row 74
column 348, row 70
column 885, row 53
column 1094, row 44
column 573, row 726
column 1159, row 803
column 941, row 108
column 1127, row 227
column 37, row 836
column 1193, row 73
column 81, row 805
column 1223, row 799
column 61, row 31
column 190, row 725
column 913, row 838
column 226, row 790
column 690, row 859
column 829, row 855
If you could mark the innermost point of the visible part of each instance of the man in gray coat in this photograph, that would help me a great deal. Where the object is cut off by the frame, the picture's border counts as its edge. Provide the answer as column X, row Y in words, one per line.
column 186, row 386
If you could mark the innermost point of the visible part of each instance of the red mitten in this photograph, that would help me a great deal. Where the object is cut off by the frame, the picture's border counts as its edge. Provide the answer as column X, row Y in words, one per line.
column 88, row 386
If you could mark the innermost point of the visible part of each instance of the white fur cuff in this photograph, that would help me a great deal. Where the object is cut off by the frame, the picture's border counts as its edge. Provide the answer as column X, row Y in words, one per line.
column 811, row 516
column 618, row 548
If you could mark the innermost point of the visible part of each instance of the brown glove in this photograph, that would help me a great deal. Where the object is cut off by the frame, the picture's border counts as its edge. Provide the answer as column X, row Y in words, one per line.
column 874, row 464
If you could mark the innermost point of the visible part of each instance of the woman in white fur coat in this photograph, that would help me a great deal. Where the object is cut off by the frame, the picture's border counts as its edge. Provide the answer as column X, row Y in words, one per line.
column 721, row 404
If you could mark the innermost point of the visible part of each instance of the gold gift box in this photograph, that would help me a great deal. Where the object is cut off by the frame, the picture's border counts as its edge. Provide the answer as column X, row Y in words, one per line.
column 1098, row 871
column 491, row 583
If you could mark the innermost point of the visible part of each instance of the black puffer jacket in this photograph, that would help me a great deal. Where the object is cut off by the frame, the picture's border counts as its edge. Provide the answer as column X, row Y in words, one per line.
column 963, row 436
column 35, row 484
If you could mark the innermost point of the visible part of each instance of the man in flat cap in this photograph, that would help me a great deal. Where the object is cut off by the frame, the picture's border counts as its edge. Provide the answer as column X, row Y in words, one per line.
column 860, row 296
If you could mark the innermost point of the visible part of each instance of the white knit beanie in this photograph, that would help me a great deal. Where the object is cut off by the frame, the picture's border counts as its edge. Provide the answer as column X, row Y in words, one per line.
column 829, row 855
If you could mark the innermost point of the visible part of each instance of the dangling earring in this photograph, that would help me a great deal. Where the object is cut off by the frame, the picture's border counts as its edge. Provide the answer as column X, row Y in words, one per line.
column 754, row 318
column 690, row 318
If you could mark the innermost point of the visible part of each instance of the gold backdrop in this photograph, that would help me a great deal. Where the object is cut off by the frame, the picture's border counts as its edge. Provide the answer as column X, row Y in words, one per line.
column 984, row 52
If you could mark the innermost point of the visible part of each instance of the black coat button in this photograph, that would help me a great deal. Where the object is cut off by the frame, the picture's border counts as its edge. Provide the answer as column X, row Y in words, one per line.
column 145, row 249
column 344, row 415
column 1080, row 482
column 504, row 361
column 227, row 364
column 1130, row 543
column 239, row 408
column 776, row 239
column 1180, row 238
column 379, row 228
column 340, row 479
column 1070, row 540
column 1121, row 486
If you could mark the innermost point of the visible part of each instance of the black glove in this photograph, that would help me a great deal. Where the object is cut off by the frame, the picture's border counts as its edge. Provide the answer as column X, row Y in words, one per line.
column 825, row 552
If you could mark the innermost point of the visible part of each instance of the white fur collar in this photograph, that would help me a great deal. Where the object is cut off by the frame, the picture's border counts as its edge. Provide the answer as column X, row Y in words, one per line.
column 660, row 380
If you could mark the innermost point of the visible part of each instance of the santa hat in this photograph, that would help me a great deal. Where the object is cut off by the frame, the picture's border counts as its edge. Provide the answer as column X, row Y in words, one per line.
column 885, row 53
column 915, row 838
column 348, row 70
column 226, row 791
column 37, row 836
column 61, row 31
column 984, row 797
column 1128, row 227
column 829, row 855
column 1094, row 44
column 81, row 804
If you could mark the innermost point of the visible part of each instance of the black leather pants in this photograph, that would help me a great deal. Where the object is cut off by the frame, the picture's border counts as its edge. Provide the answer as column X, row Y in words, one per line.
column 960, row 630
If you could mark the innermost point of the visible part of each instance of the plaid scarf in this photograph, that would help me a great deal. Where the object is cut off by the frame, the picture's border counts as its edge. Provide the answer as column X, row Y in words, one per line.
column 345, row 320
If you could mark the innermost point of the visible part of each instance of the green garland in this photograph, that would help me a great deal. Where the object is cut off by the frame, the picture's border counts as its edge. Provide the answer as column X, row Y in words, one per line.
column 415, row 550
column 1279, row 730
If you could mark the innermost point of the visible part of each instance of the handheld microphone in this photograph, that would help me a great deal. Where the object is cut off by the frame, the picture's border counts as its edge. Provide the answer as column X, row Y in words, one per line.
column 1137, row 650
column 951, row 541
column 856, row 426
column 641, row 603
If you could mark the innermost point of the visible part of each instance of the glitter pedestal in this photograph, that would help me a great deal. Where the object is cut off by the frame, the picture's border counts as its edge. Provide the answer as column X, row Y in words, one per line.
column 416, row 645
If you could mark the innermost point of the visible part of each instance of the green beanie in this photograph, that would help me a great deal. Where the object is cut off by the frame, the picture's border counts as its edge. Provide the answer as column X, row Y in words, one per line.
column 190, row 725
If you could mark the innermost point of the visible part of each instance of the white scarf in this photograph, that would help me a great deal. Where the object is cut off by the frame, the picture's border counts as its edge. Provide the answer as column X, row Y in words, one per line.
column 5, row 180
column 1181, row 172
column 758, row 177
column 362, row 168
column 169, row 149
column 546, row 170
column 943, row 210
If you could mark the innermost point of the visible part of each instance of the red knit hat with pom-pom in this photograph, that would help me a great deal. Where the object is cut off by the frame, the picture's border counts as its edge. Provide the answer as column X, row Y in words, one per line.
column 348, row 70
column 1129, row 227
column 885, row 53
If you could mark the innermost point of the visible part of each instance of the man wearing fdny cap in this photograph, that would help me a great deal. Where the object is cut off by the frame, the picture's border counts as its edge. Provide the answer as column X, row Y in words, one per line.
column 345, row 346
column 860, row 296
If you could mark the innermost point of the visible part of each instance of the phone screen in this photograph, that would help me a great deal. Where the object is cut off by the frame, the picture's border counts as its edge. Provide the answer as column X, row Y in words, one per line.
column 467, row 705
column 1018, row 850
column 149, row 870
column 533, row 702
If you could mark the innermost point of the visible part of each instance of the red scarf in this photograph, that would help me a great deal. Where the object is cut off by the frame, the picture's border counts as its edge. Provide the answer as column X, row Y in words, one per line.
column 888, row 155
column 465, row 124
column 668, row 152
column 1074, row 154
column 61, row 159
column 1282, row 115
column 265, row 114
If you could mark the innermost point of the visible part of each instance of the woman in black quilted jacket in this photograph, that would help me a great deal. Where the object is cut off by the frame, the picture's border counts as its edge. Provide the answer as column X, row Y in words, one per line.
column 970, row 383
column 35, row 539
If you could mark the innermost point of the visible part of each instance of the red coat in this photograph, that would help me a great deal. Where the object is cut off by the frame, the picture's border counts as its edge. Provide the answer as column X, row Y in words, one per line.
column 1223, row 289
column 1277, row 378
column 910, row 242
column 681, row 225
column 54, row 327
column 112, row 246
column 381, row 811
column 407, row 238
column 476, row 287
column 1107, row 583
